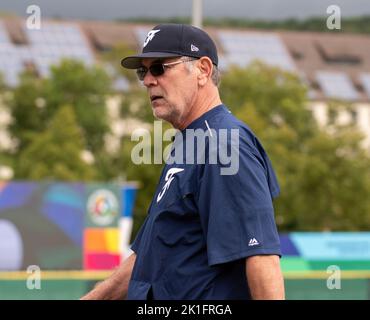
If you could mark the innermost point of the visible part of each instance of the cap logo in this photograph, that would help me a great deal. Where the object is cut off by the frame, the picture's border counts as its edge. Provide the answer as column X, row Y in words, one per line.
column 150, row 36
column 194, row 48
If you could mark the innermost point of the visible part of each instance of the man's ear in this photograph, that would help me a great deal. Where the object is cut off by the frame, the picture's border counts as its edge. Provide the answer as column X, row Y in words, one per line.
column 205, row 70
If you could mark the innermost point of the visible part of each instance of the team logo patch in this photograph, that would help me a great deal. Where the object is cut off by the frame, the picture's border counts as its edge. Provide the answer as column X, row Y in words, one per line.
column 253, row 242
column 194, row 48
column 102, row 206
column 170, row 175
column 150, row 36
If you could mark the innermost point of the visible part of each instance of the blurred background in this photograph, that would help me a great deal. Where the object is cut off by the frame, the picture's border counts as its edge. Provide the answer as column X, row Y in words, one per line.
column 71, row 200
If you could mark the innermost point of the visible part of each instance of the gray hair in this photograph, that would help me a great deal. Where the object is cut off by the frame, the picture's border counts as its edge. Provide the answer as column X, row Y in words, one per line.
column 215, row 76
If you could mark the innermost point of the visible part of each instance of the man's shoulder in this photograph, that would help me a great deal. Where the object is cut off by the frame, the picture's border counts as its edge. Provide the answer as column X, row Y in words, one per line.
column 228, row 122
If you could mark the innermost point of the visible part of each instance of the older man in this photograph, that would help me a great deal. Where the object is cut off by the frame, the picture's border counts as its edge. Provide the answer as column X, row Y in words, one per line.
column 210, row 232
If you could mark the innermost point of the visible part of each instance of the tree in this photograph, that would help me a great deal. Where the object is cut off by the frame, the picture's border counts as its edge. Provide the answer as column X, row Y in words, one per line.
column 323, row 174
column 334, row 182
column 36, row 100
column 279, row 97
column 2, row 83
column 84, row 88
column 55, row 154
column 136, row 104
column 27, row 107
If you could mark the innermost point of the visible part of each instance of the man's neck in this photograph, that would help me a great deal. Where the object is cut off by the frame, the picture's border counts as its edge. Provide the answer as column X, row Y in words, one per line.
column 203, row 104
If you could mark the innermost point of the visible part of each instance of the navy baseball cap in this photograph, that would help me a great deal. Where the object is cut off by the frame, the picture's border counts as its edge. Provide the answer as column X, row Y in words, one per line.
column 174, row 40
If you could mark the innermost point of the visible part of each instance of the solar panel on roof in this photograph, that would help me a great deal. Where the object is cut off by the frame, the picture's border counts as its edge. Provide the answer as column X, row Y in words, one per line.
column 23, row 53
column 243, row 48
column 56, row 33
column 11, row 70
column 50, row 44
column 223, row 63
column 7, row 49
column 336, row 85
column 4, row 38
column 57, row 41
column 237, row 60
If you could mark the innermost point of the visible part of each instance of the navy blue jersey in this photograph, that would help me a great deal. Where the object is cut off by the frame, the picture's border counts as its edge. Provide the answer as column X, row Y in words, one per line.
column 202, row 224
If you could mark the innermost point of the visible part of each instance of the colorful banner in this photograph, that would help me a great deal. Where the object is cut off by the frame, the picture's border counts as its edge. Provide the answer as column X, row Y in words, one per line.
column 319, row 250
column 63, row 226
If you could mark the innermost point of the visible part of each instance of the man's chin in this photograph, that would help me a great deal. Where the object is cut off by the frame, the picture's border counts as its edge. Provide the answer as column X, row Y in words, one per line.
column 160, row 113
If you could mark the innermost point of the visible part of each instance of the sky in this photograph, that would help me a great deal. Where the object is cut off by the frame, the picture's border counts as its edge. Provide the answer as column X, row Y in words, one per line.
column 251, row 9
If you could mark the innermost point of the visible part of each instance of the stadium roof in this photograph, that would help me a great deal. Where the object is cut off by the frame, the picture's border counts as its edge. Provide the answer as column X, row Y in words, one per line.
column 333, row 64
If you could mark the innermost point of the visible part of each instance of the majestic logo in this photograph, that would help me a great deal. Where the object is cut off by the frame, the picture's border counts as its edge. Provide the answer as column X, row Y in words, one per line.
column 194, row 48
column 169, row 177
column 150, row 36
column 253, row 242
column 102, row 207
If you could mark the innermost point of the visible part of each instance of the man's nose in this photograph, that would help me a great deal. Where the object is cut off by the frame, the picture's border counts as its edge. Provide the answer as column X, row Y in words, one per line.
column 149, row 79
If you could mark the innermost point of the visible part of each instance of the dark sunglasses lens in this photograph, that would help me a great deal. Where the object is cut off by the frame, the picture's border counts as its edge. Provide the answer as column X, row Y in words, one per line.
column 141, row 72
column 156, row 69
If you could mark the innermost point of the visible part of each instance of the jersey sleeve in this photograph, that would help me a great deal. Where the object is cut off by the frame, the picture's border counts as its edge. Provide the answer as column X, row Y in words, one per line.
column 236, row 210
column 135, row 245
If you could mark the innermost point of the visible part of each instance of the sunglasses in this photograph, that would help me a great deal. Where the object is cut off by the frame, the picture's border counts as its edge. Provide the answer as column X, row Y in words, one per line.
column 157, row 68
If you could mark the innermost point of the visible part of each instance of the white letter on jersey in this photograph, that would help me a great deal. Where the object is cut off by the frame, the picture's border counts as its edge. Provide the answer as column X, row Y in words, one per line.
column 169, row 177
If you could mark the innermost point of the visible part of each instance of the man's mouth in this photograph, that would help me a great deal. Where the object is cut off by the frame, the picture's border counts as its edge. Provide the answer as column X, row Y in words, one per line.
column 155, row 97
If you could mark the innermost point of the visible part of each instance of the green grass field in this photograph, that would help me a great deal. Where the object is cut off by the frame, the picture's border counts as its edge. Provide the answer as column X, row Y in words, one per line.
column 71, row 285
